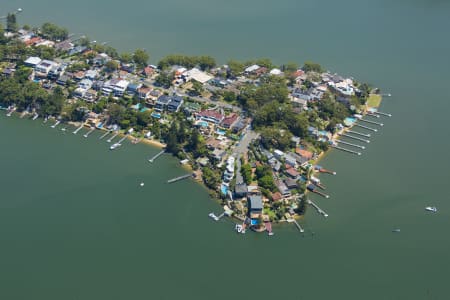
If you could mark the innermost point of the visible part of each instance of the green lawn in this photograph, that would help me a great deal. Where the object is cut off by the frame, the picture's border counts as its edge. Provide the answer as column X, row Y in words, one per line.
column 374, row 100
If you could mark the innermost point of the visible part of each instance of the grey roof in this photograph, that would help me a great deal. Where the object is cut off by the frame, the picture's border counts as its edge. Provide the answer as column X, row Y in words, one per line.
column 256, row 202
column 240, row 188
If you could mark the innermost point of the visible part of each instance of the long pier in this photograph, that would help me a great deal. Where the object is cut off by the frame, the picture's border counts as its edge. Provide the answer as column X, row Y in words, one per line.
column 355, row 138
column 365, row 127
column 56, row 124
column 370, row 114
column 359, row 133
column 372, row 122
column 350, row 144
column 108, row 132
column 347, row 150
column 383, row 114
column 156, row 156
column 111, row 138
column 319, row 210
column 78, row 129
column 89, row 132
column 179, row 178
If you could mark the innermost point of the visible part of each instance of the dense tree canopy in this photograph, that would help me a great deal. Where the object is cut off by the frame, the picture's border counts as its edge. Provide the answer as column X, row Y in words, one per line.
column 54, row 32
column 140, row 57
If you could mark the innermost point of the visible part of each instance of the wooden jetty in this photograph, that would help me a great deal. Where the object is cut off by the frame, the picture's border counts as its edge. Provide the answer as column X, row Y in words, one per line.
column 89, row 132
column 323, row 170
column 350, row 144
column 383, row 114
column 156, row 156
column 372, row 122
column 292, row 220
column 108, row 132
column 359, row 133
column 78, row 129
column 347, row 150
column 320, row 211
column 113, row 137
column 365, row 127
column 56, row 124
column 179, row 178
column 35, row 117
column 355, row 138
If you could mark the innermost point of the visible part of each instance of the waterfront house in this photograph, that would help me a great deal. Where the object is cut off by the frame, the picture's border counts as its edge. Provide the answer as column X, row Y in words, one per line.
column 229, row 121
column 210, row 116
column 44, row 67
column 282, row 188
column 133, row 88
column 197, row 75
column 255, row 206
column 32, row 61
column 144, row 93
column 64, row 46
column 292, row 173
column 101, row 59
column 290, row 183
column 278, row 154
column 240, row 190
column 77, row 50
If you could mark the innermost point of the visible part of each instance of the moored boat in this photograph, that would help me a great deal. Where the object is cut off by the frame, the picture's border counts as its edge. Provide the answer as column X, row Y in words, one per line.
column 431, row 208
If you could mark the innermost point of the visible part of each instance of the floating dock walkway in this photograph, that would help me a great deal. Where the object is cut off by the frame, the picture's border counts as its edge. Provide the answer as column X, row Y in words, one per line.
column 359, row 133
column 122, row 139
column 179, row 178
column 89, row 132
column 156, row 156
column 355, row 138
column 108, row 132
column 113, row 137
column 372, row 122
column 320, row 211
column 350, row 144
column 347, row 150
column 56, row 124
column 365, row 127
column 35, row 117
column 78, row 129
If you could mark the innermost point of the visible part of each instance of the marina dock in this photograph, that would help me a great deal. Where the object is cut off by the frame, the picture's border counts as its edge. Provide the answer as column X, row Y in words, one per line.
column 347, row 150
column 156, row 156
column 359, row 133
column 113, row 137
column 355, row 138
column 320, row 211
column 372, row 122
column 365, row 127
column 350, row 144
column 179, row 178
column 89, row 132
column 78, row 129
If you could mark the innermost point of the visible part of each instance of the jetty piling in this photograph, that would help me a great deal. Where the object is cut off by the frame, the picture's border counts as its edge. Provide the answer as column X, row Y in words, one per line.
column 113, row 137
column 89, row 132
column 179, row 178
column 365, row 127
column 350, row 144
column 347, row 150
column 359, row 133
column 355, row 138
column 372, row 122
column 156, row 156
column 78, row 129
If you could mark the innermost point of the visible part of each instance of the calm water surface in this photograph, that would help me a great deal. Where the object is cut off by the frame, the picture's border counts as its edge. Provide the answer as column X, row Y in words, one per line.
column 74, row 223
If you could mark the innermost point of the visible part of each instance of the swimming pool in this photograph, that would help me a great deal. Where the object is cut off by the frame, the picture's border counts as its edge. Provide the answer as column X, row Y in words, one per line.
column 221, row 131
column 224, row 189
column 202, row 123
column 156, row 115
column 254, row 222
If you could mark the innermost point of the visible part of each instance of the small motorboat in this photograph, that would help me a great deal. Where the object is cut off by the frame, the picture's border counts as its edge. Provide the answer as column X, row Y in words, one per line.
column 396, row 230
column 431, row 208
column 114, row 146
column 238, row 228
column 213, row 216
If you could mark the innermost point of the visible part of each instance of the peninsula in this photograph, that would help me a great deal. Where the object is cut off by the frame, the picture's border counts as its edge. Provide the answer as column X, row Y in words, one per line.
column 251, row 131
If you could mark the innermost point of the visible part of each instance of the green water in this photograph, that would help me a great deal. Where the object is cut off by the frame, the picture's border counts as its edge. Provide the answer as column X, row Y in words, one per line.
column 74, row 223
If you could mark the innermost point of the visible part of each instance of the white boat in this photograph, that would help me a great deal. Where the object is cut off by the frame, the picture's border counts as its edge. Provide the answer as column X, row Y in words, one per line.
column 213, row 216
column 64, row 129
column 114, row 146
column 238, row 228
column 431, row 208
column 396, row 230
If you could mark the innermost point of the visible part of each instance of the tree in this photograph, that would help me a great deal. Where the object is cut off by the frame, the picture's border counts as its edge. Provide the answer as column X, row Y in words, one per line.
column 3, row 39
column 111, row 66
column 164, row 79
column 210, row 178
column 246, row 171
column 140, row 57
column 206, row 62
column 11, row 22
column 54, row 32
column 116, row 113
column 234, row 68
column 126, row 57
column 310, row 66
